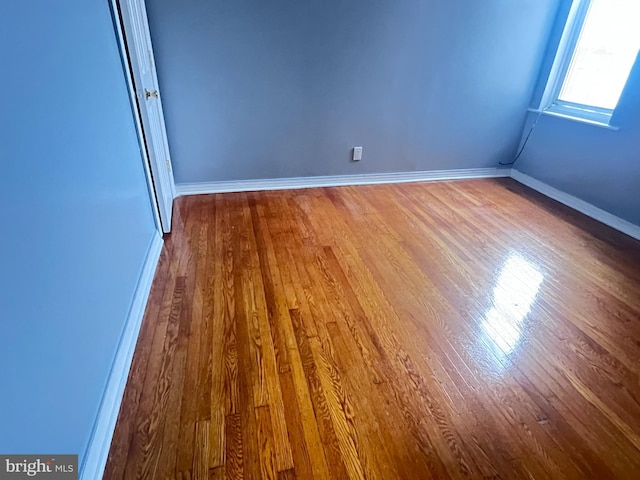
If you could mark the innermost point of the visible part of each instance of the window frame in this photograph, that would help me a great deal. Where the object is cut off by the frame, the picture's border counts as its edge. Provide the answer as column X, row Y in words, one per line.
column 568, row 43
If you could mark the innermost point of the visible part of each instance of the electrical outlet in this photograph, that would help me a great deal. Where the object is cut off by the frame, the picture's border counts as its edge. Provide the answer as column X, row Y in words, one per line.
column 357, row 154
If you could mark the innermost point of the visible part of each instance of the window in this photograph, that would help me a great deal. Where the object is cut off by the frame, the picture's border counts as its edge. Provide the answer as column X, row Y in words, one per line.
column 597, row 52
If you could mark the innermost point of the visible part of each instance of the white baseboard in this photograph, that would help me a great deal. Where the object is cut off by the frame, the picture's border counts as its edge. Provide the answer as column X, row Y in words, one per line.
column 336, row 180
column 580, row 205
column 97, row 452
column 405, row 177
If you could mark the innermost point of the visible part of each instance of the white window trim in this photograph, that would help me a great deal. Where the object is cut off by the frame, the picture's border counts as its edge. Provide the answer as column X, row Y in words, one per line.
column 550, row 102
column 573, row 118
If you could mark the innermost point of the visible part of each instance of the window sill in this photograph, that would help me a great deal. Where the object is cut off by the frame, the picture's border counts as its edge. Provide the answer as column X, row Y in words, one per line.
column 573, row 118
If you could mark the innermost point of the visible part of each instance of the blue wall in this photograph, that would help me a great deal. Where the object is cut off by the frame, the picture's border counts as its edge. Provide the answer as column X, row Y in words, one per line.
column 76, row 219
column 255, row 89
column 597, row 165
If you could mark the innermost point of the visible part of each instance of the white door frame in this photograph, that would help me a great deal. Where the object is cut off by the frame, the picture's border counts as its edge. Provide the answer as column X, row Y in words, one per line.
column 126, row 58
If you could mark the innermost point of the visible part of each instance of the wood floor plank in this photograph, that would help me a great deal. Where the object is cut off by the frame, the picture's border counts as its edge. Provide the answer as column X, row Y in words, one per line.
column 268, row 465
column 201, row 451
column 249, row 356
column 233, row 443
column 147, row 446
column 299, row 447
column 468, row 329
column 224, row 305
column 192, row 324
column 221, row 316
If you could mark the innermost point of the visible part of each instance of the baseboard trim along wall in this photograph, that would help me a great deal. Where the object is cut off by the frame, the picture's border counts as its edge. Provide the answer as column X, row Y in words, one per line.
column 596, row 213
column 580, row 205
column 97, row 452
column 335, row 181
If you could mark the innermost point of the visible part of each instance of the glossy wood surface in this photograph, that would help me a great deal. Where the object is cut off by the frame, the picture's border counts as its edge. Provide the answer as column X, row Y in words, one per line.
column 470, row 329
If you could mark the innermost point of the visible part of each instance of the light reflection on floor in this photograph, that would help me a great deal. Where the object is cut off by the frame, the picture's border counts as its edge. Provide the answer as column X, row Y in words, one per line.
column 513, row 295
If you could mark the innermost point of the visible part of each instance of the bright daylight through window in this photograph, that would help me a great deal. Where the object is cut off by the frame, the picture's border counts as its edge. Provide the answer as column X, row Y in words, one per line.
column 600, row 47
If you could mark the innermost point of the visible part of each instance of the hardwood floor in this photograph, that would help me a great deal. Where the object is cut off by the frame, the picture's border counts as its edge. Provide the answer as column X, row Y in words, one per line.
column 442, row 330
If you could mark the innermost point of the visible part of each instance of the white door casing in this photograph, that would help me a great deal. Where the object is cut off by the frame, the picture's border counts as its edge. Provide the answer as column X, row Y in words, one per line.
column 138, row 40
